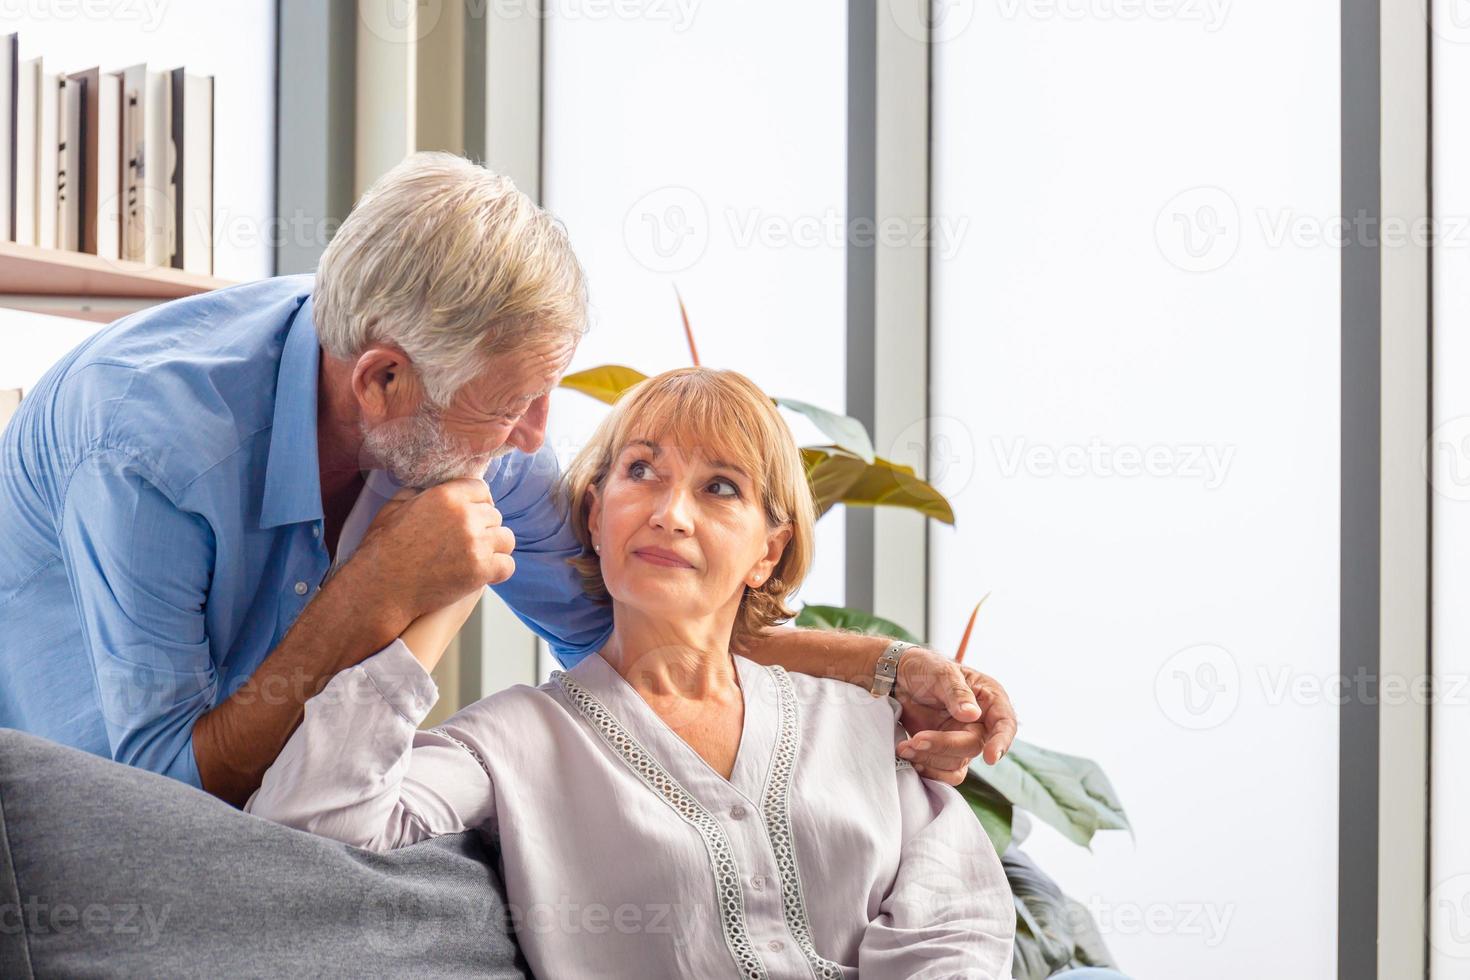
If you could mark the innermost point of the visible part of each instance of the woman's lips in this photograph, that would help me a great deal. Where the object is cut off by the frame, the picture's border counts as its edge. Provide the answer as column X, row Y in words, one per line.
column 657, row 556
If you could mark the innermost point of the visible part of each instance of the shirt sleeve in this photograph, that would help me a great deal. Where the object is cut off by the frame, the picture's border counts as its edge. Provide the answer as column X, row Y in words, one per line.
column 358, row 770
column 139, row 569
column 545, row 592
column 949, row 912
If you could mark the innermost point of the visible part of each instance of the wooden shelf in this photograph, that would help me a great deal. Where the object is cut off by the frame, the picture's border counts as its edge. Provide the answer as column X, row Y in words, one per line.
column 31, row 271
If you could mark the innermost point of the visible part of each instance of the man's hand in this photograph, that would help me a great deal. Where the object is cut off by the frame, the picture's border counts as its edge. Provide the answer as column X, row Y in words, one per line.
column 430, row 549
column 955, row 714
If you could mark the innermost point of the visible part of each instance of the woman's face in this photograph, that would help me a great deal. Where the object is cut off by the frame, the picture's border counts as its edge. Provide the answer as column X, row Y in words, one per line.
column 681, row 535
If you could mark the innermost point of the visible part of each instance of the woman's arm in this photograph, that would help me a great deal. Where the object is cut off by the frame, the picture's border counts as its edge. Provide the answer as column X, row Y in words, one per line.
column 949, row 912
column 358, row 770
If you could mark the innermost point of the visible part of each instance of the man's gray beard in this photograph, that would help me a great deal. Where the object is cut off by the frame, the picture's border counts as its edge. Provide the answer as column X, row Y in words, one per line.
column 418, row 453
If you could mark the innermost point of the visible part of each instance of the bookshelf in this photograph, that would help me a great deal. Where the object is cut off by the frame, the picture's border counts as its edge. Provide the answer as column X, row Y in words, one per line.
column 87, row 287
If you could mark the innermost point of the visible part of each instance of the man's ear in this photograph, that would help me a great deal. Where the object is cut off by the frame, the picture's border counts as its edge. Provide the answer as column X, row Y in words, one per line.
column 385, row 383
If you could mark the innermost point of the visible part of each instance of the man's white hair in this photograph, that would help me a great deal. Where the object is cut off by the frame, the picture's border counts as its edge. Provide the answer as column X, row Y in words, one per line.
column 452, row 264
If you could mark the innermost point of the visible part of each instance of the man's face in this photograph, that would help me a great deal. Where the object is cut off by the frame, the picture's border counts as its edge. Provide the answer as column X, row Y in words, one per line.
column 503, row 409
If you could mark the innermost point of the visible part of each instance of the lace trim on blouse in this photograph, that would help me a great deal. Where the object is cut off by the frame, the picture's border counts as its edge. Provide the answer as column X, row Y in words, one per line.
column 731, row 900
column 776, row 808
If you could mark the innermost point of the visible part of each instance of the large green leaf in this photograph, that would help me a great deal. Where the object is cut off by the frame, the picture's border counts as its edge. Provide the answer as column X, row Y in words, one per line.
column 1068, row 792
column 838, row 477
column 992, row 810
column 840, row 618
column 844, row 430
column 606, row 383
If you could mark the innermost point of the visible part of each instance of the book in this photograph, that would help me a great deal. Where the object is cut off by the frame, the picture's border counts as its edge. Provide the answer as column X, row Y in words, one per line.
column 9, row 79
column 107, row 215
column 9, row 404
column 49, row 101
column 154, row 205
column 83, row 91
column 134, row 103
column 68, row 161
column 27, row 119
column 191, row 125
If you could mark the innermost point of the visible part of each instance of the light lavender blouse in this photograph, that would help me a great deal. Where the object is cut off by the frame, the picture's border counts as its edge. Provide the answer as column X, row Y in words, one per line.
column 822, row 856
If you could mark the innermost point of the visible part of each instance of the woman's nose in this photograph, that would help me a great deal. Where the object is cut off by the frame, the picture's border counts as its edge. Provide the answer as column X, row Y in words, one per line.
column 674, row 512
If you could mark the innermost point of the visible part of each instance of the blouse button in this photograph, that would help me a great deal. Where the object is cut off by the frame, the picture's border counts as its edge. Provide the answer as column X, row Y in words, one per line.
column 758, row 881
column 737, row 812
column 316, row 531
column 775, row 945
column 301, row 588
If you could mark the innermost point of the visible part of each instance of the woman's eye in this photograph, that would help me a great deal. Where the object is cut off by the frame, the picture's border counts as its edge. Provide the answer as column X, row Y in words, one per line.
column 637, row 468
column 729, row 484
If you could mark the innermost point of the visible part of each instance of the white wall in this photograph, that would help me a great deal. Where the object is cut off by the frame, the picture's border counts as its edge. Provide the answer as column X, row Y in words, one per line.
column 1123, row 286
column 233, row 41
column 703, row 146
column 1449, row 449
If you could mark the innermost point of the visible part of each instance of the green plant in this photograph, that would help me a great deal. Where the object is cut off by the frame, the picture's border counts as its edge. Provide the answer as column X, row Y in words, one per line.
column 1067, row 792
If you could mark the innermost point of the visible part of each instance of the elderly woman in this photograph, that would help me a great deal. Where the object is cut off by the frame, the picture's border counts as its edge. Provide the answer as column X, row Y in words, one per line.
column 669, row 807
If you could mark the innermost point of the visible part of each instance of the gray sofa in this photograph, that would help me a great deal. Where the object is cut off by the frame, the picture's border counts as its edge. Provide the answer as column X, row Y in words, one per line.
column 108, row 871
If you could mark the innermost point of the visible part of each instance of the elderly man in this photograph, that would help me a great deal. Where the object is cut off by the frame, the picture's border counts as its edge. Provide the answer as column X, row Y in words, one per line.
column 173, row 491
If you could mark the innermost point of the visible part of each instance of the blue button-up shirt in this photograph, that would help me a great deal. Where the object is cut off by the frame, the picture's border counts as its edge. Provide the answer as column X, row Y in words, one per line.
column 161, row 525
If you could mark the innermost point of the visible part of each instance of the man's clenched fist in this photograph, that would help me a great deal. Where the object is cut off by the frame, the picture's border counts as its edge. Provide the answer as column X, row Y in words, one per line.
column 432, row 547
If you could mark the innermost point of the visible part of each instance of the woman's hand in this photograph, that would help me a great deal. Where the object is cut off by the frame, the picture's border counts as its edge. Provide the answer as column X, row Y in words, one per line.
column 430, row 635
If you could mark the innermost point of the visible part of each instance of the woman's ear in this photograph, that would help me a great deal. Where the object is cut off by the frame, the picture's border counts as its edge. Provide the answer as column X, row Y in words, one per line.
column 594, row 513
column 776, row 542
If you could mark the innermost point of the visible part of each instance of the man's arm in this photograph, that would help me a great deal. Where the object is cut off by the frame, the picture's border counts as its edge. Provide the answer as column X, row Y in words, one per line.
column 348, row 620
column 545, row 592
column 140, row 568
column 956, row 714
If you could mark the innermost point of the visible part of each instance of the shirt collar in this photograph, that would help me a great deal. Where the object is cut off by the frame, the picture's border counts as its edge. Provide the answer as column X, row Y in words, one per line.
column 293, row 486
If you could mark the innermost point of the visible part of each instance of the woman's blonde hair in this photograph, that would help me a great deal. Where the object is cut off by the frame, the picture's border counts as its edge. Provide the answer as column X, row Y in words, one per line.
column 450, row 262
column 725, row 416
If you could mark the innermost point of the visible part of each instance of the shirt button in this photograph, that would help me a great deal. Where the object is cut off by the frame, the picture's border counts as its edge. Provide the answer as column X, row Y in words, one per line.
column 316, row 531
column 301, row 588
column 775, row 945
column 758, row 881
column 737, row 812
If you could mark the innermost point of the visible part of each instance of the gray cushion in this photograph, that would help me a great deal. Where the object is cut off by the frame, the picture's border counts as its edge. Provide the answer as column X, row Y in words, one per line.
column 111, row 871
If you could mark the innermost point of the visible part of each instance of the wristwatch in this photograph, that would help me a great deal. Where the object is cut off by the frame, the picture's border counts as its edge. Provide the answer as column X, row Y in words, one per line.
column 885, row 675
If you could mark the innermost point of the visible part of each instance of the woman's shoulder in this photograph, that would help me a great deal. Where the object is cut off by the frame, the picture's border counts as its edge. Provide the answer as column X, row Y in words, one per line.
column 831, row 701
